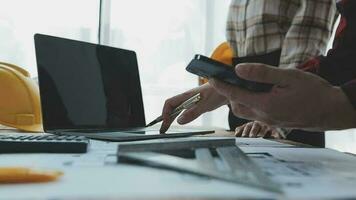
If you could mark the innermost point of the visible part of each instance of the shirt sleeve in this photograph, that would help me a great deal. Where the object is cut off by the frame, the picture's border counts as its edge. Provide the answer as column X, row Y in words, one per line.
column 309, row 31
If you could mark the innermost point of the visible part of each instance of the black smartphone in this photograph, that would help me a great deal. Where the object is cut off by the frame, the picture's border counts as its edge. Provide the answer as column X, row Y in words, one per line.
column 209, row 68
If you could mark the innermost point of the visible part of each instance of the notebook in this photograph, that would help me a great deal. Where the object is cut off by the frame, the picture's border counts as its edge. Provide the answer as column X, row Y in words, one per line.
column 94, row 91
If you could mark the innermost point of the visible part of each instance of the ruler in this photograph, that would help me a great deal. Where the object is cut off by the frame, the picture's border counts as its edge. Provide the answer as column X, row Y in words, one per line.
column 237, row 167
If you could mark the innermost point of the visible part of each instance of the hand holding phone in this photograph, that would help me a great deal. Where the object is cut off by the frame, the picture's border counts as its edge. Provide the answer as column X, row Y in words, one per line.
column 209, row 68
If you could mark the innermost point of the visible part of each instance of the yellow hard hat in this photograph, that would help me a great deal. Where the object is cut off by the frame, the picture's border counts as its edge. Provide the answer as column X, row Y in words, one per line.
column 223, row 53
column 19, row 99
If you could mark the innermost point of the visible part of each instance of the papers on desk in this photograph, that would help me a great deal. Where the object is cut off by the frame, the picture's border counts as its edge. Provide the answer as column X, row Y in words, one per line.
column 308, row 172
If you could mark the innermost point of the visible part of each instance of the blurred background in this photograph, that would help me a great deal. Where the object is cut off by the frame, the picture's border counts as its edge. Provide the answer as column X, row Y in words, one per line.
column 164, row 34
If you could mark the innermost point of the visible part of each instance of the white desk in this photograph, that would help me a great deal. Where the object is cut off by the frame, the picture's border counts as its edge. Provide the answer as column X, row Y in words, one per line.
column 302, row 172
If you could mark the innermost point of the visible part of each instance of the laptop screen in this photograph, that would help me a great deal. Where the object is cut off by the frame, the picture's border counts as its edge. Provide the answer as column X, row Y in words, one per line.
column 85, row 86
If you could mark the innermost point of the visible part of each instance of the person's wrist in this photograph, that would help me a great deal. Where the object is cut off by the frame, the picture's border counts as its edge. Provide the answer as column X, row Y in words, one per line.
column 337, row 112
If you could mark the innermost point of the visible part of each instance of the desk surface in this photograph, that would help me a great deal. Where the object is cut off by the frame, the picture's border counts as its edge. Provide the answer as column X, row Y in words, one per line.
column 302, row 172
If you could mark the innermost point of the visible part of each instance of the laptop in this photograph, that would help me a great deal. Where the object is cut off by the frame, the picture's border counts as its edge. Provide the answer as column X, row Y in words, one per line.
column 94, row 91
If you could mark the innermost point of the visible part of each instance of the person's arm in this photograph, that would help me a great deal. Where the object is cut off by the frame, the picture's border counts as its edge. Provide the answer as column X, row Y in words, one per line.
column 350, row 91
column 306, row 37
column 300, row 99
column 297, row 100
column 342, row 74
column 309, row 31
column 338, row 67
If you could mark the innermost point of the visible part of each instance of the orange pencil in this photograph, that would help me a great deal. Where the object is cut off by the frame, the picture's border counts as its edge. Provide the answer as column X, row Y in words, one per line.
column 27, row 175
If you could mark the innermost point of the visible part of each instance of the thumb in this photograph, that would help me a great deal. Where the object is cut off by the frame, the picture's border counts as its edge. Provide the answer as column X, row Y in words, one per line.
column 262, row 73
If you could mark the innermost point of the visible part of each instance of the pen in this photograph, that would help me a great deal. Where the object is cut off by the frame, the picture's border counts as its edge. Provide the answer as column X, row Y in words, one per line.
column 185, row 105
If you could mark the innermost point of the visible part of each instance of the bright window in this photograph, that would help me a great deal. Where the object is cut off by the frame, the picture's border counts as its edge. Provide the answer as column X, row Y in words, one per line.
column 20, row 20
column 165, row 35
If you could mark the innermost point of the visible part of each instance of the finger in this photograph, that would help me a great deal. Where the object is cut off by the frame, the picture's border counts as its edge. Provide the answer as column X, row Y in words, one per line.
column 262, row 73
column 190, row 114
column 165, row 125
column 171, row 103
column 246, row 130
column 256, row 127
column 267, row 134
column 238, row 130
column 264, row 131
column 169, row 106
column 237, row 94
column 275, row 134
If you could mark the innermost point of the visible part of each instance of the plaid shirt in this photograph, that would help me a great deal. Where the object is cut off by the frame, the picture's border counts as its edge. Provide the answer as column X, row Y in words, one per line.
column 299, row 28
column 339, row 66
